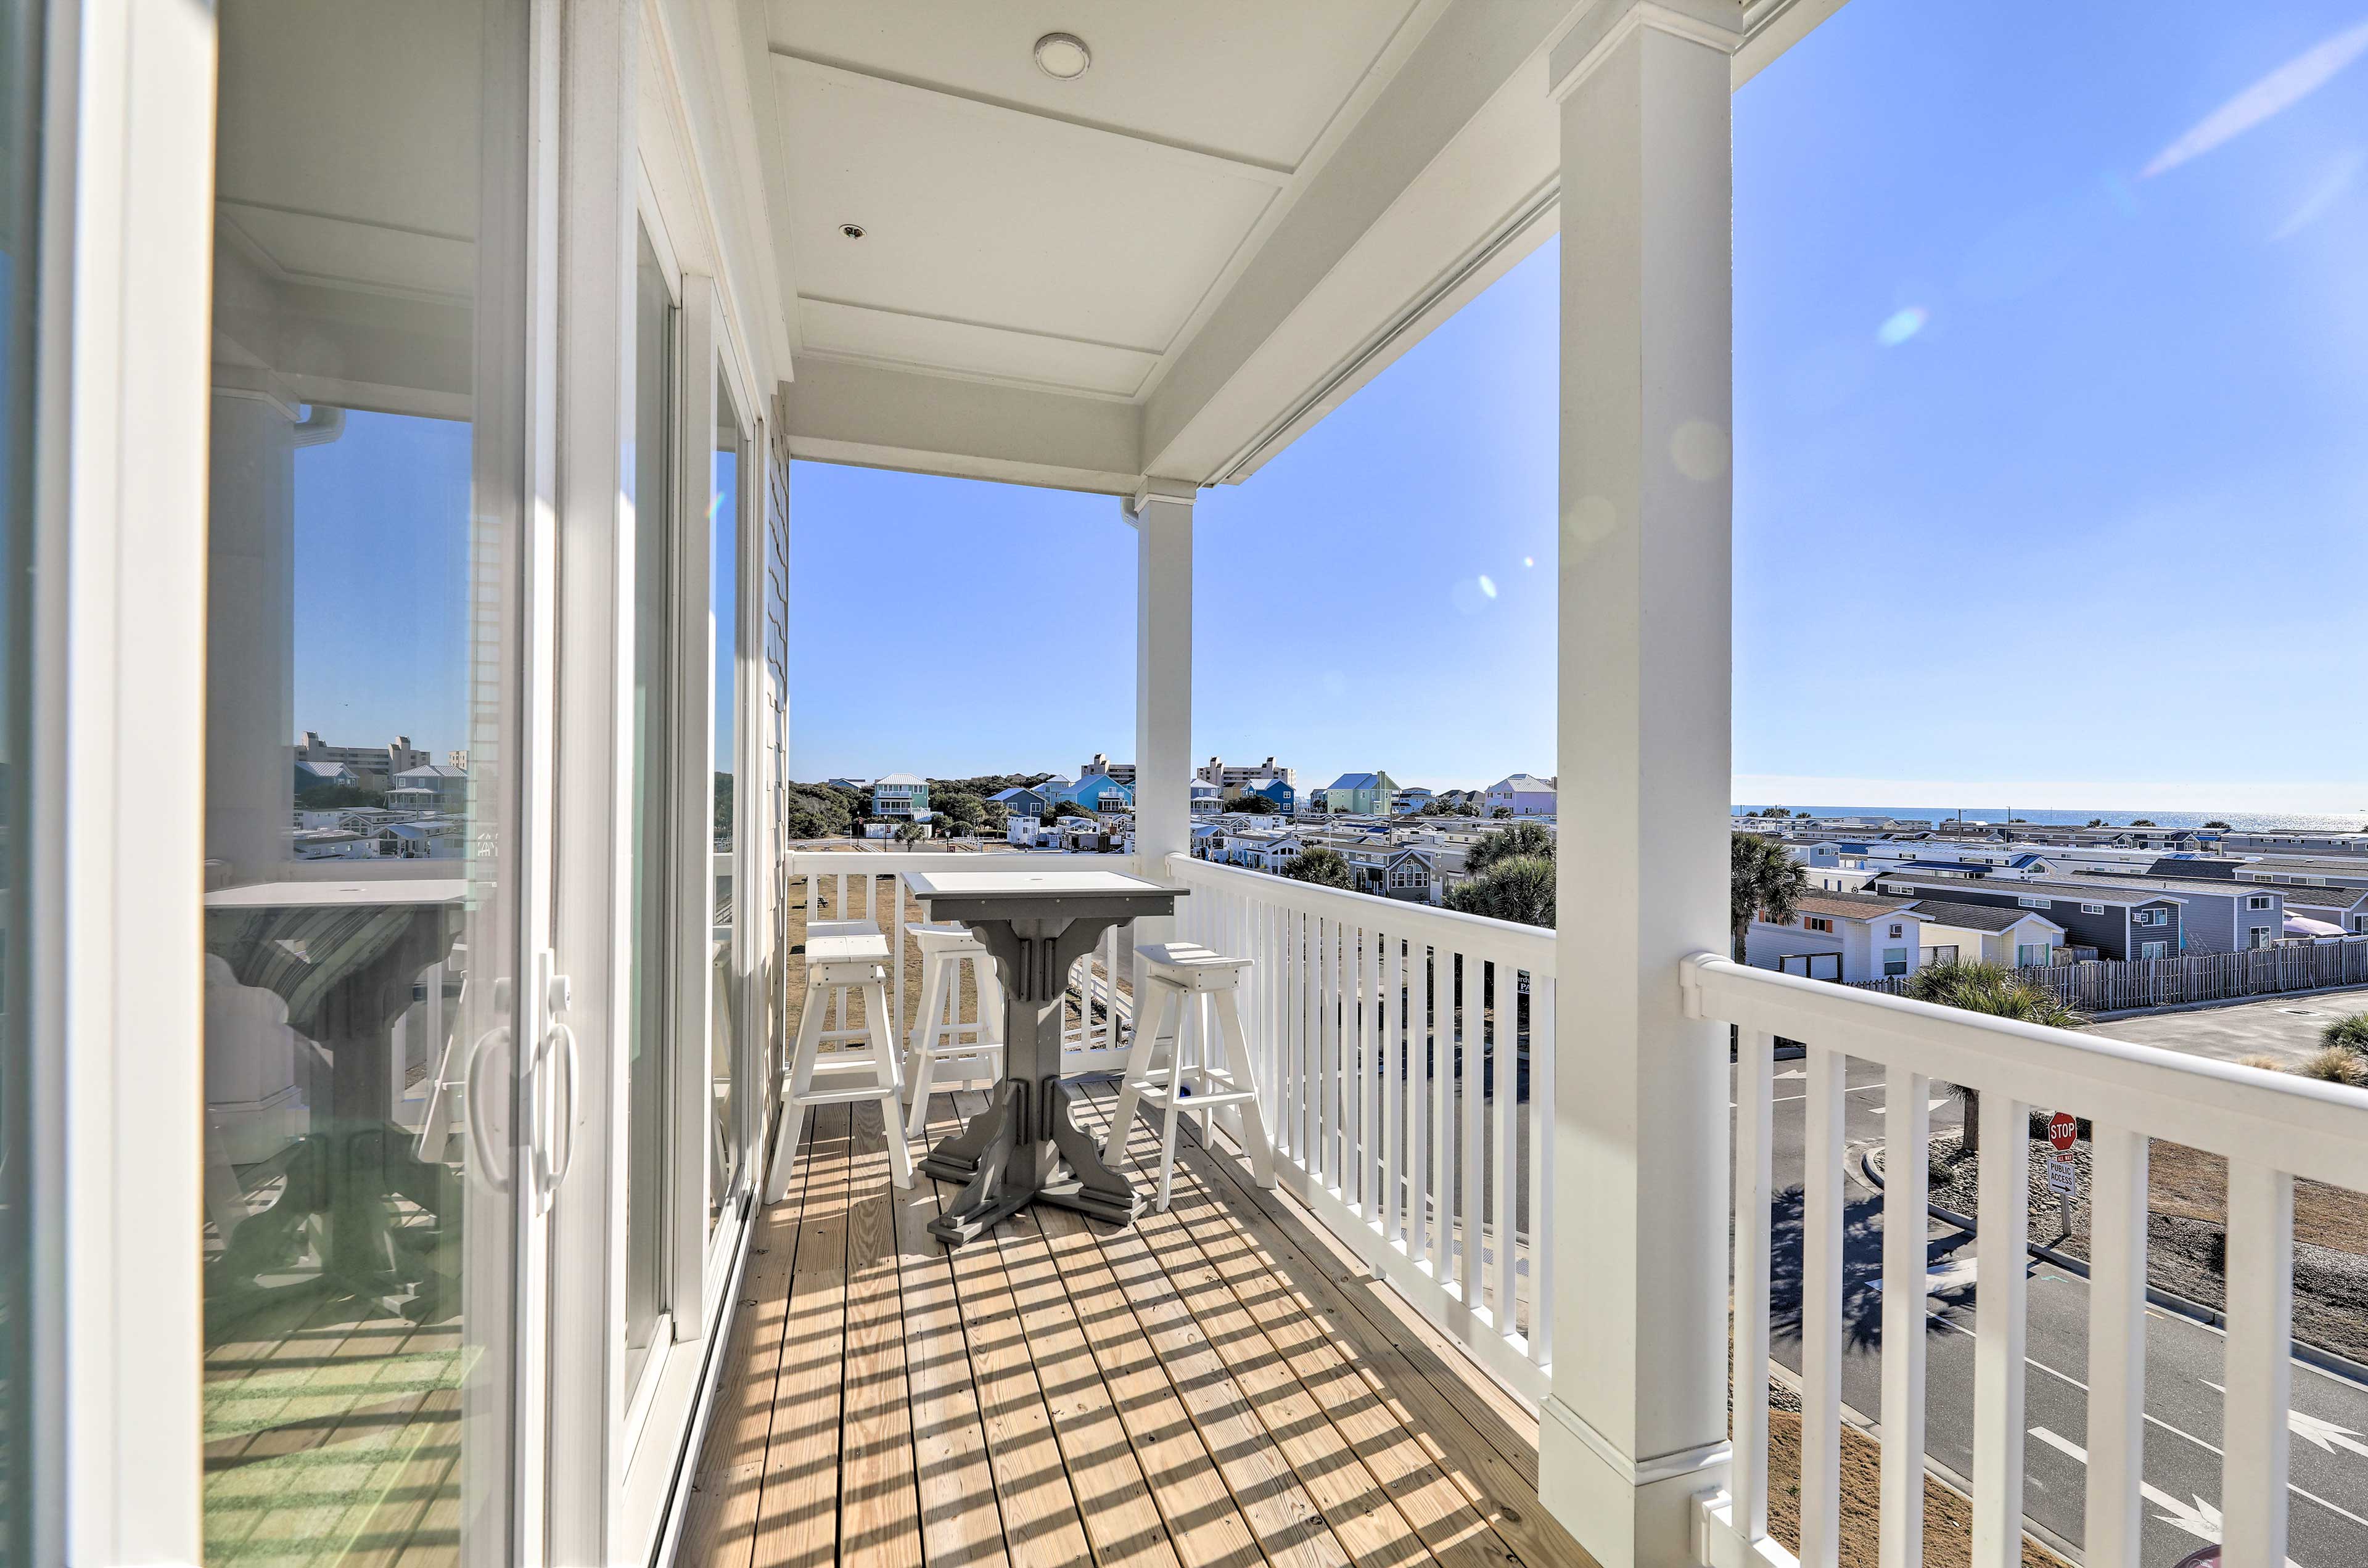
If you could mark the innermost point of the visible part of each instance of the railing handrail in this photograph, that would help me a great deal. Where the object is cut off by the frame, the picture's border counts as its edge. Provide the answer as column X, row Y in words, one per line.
column 2297, row 1125
column 891, row 862
column 1529, row 947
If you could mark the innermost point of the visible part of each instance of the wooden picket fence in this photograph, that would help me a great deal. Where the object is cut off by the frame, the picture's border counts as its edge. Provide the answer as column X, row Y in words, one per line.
column 2114, row 986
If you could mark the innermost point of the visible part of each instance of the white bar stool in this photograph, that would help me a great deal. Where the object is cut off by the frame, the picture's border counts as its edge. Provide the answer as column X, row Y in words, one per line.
column 842, row 963
column 938, row 1033
column 1203, row 1069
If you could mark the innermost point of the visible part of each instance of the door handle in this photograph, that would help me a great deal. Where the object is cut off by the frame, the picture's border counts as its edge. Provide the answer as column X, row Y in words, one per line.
column 559, row 1044
column 493, row 1171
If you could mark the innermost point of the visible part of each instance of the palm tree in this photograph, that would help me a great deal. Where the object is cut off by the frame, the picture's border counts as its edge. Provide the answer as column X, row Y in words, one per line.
column 1520, row 888
column 1763, row 880
column 1525, row 839
column 1997, row 991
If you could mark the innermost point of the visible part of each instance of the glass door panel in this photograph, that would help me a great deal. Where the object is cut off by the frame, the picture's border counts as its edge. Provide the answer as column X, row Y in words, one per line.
column 726, row 1159
column 367, row 608
column 648, row 1099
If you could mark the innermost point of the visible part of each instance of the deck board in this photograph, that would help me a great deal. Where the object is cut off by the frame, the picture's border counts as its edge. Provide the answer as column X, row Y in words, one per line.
column 1214, row 1387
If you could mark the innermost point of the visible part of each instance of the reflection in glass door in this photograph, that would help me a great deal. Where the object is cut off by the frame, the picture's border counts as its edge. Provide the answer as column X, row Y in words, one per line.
column 367, row 607
column 725, row 1162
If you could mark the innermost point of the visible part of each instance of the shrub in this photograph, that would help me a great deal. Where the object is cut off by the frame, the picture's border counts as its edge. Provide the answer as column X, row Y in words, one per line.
column 2347, row 1034
column 2336, row 1064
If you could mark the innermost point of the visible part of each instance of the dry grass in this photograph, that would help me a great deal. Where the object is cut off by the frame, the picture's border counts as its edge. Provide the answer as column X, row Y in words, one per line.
column 2191, row 1183
column 1948, row 1517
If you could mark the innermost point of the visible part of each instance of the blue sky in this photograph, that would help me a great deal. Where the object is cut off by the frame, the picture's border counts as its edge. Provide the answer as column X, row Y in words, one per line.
column 2050, row 331
column 2049, row 401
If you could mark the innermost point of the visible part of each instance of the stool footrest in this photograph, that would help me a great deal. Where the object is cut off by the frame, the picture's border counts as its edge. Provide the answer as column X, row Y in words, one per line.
column 845, row 1096
column 1157, row 1095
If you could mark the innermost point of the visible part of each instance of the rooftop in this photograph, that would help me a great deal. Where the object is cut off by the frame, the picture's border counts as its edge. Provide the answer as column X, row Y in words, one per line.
column 1975, row 916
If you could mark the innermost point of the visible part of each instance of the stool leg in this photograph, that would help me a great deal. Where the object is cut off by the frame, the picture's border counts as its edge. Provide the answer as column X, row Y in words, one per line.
column 1252, row 1131
column 800, row 1076
column 1167, row 1144
column 924, row 1031
column 1138, row 1062
column 883, row 1058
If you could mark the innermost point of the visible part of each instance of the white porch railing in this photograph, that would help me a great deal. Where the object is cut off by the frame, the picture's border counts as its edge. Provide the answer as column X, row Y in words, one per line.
column 2271, row 1128
column 1393, row 1045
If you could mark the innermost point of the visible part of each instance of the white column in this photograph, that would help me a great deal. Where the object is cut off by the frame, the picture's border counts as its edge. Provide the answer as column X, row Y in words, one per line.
column 1636, row 1423
column 1162, row 514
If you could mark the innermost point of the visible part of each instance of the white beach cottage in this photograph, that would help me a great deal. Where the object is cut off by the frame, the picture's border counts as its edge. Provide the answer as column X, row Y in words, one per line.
column 551, row 294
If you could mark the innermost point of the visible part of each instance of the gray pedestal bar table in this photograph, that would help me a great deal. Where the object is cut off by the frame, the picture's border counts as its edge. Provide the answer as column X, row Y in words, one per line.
column 1024, row 1148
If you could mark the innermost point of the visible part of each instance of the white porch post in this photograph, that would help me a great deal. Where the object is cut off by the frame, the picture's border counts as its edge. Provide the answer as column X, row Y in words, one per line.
column 1636, row 1423
column 1162, row 514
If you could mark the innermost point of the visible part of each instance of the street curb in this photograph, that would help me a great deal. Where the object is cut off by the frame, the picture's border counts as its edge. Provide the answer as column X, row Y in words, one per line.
column 2333, row 1363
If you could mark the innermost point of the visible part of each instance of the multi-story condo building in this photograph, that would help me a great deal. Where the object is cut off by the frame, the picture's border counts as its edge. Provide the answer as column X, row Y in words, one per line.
column 372, row 766
column 1103, row 767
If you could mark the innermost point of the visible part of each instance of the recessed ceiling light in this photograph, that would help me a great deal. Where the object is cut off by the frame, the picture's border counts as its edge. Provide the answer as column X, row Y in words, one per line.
column 852, row 230
column 1063, row 56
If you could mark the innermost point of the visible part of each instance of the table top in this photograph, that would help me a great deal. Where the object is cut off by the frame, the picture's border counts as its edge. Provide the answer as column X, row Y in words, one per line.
column 1021, row 894
column 1031, row 884
column 359, row 893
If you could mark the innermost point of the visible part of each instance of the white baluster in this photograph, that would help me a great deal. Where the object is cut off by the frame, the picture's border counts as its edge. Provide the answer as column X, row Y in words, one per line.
column 1504, row 1078
column 2117, row 1230
column 2004, row 1222
column 1470, row 1207
column 2260, row 1367
column 1908, row 1142
column 1754, row 1117
column 1541, row 1143
column 1821, row 1313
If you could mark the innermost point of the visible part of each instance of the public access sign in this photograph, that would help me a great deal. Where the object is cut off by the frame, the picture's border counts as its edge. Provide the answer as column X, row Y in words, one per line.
column 2061, row 1131
column 2063, row 1177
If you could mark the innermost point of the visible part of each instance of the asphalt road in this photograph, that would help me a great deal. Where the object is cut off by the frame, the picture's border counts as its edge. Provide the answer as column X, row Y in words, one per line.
column 2282, row 1026
column 2328, row 1509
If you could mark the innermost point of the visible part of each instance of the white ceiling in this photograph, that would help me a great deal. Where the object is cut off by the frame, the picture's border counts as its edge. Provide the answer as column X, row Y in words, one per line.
column 1064, row 235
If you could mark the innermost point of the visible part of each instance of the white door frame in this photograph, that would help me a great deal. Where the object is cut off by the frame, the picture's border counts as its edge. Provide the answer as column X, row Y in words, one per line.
column 120, row 458
column 616, row 1452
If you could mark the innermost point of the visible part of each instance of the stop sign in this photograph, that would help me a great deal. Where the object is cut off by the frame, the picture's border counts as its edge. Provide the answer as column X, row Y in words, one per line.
column 2061, row 1131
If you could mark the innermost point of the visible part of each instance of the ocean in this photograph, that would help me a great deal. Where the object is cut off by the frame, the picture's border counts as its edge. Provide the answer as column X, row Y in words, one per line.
column 2239, row 822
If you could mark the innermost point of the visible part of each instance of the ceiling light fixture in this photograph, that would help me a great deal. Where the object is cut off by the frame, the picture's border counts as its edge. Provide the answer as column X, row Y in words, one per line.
column 852, row 230
column 1063, row 56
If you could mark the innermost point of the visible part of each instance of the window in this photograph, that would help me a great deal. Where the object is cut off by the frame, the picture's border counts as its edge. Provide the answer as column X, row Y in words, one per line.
column 1897, row 929
column 2029, row 903
column 2257, row 903
column 2152, row 917
column 2092, row 909
column 2031, row 955
column 1894, row 962
column 1817, row 922
column 2154, row 950
column 1946, row 953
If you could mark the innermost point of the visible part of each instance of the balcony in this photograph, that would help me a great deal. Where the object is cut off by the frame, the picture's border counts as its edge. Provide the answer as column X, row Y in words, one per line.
column 1351, row 1368
column 1232, row 1377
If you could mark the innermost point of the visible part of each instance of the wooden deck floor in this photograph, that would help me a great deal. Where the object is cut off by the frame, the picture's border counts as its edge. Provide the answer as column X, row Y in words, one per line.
column 1219, row 1386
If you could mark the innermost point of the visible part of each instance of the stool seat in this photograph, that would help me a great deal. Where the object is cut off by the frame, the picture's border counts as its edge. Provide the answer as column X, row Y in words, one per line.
column 945, row 938
column 1191, row 966
column 853, row 946
column 816, row 930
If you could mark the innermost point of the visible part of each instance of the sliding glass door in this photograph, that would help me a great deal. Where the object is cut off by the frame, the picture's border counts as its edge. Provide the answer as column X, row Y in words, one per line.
column 372, row 1002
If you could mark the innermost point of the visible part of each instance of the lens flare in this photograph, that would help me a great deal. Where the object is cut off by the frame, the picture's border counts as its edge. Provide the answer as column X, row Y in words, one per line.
column 1901, row 325
column 1489, row 587
column 1529, row 561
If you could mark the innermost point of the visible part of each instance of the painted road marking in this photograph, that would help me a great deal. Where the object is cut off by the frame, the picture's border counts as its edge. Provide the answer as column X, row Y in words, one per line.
column 2318, row 1431
column 2201, row 1519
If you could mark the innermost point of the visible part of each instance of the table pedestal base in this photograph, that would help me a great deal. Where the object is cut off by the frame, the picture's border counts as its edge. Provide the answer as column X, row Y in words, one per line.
column 1025, row 1147
column 1017, row 1153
